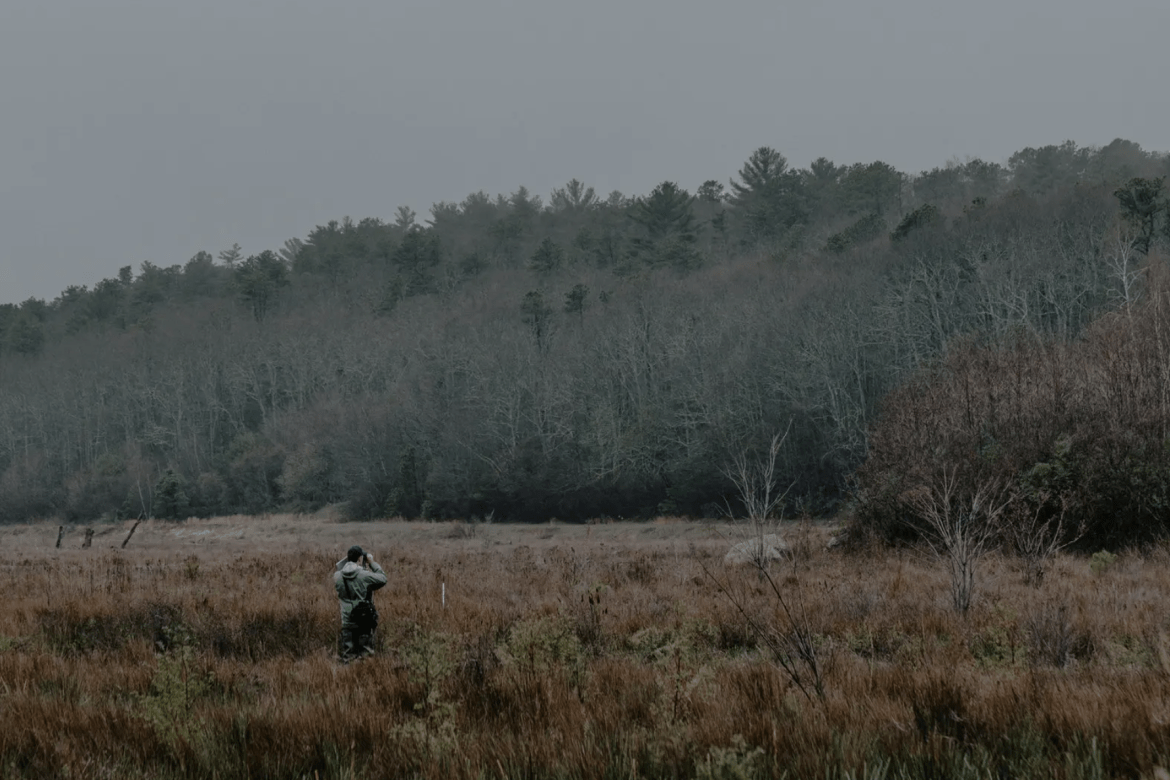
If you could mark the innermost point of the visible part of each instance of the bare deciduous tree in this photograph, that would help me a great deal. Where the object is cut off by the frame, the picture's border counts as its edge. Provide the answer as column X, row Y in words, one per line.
column 960, row 527
column 1120, row 254
column 757, row 482
column 1037, row 532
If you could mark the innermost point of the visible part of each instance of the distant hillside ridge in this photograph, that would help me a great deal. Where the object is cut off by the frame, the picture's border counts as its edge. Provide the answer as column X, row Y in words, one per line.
column 592, row 355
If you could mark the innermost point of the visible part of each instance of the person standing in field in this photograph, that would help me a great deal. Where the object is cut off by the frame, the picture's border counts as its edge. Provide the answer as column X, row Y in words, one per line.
column 358, row 576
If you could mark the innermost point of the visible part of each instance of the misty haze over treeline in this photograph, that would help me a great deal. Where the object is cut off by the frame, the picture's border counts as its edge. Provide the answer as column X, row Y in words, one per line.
column 579, row 355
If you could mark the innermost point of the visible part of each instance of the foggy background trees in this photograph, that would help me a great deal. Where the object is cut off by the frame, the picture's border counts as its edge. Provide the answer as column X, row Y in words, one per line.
column 589, row 355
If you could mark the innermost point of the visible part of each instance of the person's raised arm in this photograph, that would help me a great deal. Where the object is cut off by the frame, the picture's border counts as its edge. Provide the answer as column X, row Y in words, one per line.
column 377, row 577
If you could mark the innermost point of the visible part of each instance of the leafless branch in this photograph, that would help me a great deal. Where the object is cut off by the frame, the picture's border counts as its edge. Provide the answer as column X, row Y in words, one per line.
column 756, row 481
column 793, row 646
column 1037, row 530
column 960, row 526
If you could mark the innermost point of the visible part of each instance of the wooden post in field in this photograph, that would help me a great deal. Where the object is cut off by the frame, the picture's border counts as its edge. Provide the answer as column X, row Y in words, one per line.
column 88, row 539
column 60, row 533
column 132, row 530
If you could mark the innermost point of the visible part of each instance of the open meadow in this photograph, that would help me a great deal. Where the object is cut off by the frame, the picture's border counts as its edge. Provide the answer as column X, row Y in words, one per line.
column 206, row 648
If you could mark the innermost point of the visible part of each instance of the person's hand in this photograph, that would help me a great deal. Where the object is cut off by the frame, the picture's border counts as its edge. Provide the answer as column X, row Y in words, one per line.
column 369, row 557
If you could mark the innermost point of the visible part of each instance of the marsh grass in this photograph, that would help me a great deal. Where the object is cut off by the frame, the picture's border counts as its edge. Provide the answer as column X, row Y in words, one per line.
column 206, row 649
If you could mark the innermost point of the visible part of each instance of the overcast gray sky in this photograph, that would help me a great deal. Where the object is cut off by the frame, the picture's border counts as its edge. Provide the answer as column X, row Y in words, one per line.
column 147, row 130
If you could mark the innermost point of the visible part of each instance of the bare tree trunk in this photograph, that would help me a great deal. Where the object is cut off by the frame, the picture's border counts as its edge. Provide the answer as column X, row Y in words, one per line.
column 88, row 539
column 60, row 533
column 134, row 528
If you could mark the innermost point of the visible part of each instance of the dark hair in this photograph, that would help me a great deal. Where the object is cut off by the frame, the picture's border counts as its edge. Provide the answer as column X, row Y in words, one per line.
column 355, row 554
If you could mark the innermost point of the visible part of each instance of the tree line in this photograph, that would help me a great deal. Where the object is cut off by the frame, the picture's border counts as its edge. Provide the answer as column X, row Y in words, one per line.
column 592, row 355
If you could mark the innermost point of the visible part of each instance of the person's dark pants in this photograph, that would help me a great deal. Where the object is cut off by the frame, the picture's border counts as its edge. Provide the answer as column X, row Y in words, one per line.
column 355, row 642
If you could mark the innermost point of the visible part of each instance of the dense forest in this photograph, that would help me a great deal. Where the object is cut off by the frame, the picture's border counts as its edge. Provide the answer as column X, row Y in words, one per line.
column 585, row 355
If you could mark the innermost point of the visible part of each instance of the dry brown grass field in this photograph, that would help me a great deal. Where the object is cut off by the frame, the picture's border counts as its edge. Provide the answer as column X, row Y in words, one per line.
column 206, row 649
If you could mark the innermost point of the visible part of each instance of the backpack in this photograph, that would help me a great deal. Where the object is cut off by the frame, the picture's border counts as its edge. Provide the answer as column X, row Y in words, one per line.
column 363, row 615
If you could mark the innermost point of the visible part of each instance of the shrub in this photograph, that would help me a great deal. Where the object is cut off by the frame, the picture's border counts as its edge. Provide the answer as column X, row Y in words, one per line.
column 306, row 480
column 209, row 496
column 97, row 491
column 925, row 215
column 1075, row 429
column 865, row 229
column 1101, row 561
column 254, row 465
column 170, row 497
